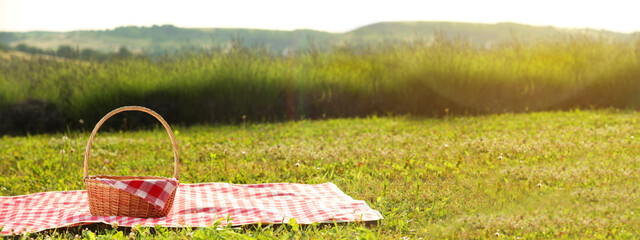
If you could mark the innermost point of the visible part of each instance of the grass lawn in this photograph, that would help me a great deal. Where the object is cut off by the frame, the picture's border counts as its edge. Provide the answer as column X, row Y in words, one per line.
column 512, row 176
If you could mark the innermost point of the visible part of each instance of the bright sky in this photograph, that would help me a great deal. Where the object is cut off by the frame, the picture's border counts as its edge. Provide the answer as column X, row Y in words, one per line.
column 325, row 15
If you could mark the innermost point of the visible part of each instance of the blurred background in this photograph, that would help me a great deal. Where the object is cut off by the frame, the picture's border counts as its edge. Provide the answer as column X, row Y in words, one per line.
column 64, row 64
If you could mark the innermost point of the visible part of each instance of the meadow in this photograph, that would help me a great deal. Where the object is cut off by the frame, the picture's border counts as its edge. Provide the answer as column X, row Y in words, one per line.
column 564, row 174
column 525, row 139
column 432, row 77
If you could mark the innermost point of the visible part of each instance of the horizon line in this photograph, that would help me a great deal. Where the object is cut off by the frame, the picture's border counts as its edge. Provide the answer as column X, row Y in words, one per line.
column 312, row 29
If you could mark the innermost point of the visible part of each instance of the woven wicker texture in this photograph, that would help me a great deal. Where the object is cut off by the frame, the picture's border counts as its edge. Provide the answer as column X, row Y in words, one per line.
column 105, row 200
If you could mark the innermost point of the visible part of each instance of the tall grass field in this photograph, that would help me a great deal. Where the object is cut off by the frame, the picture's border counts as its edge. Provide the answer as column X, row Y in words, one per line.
column 422, row 78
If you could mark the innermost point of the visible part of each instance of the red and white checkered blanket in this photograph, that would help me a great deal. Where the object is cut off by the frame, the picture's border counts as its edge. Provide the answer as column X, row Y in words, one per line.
column 154, row 191
column 196, row 205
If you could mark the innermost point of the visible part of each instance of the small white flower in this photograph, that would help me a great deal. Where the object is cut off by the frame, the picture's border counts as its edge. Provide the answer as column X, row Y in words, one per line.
column 500, row 157
column 631, row 136
column 62, row 151
column 297, row 164
column 446, row 145
column 244, row 153
column 540, row 184
column 81, row 121
column 497, row 234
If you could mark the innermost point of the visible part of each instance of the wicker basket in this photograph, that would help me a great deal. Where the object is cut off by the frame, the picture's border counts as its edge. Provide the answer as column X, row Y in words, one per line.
column 105, row 200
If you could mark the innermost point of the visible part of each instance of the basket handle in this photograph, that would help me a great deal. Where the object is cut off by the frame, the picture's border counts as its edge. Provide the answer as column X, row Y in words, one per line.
column 176, row 171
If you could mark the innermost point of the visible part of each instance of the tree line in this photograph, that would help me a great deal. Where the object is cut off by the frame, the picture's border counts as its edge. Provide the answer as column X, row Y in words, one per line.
column 70, row 52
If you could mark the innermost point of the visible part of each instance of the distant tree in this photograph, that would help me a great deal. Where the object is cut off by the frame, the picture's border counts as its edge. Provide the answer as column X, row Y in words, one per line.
column 124, row 52
column 129, row 31
column 66, row 51
column 28, row 49
column 169, row 29
column 88, row 54
column 22, row 47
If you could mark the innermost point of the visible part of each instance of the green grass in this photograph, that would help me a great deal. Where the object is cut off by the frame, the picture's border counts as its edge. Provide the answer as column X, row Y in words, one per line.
column 422, row 78
column 529, row 176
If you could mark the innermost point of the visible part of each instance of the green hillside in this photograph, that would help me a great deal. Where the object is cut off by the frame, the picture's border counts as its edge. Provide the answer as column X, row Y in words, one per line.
column 164, row 38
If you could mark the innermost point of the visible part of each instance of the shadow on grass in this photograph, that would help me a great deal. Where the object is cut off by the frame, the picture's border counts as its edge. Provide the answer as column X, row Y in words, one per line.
column 103, row 228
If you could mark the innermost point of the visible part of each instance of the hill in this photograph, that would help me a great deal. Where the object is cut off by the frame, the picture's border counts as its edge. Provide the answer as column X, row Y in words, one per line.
column 159, row 39
column 164, row 38
column 476, row 33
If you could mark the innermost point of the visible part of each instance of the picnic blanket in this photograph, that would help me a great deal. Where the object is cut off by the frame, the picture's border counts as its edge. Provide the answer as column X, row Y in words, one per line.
column 195, row 205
